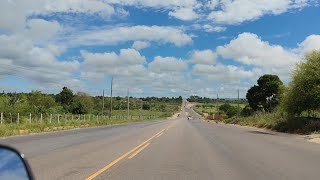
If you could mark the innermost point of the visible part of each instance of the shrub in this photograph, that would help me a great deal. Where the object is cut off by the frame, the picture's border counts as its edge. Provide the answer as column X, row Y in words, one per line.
column 228, row 109
column 303, row 93
column 247, row 111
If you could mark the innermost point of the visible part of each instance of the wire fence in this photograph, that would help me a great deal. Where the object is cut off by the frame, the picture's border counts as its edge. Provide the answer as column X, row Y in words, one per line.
column 17, row 118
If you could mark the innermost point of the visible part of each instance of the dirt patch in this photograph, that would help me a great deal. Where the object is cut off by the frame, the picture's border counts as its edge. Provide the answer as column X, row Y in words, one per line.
column 315, row 138
column 176, row 115
column 24, row 132
column 190, row 105
column 205, row 115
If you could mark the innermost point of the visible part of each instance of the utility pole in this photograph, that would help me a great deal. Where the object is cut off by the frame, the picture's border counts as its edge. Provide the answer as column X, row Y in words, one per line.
column 217, row 108
column 102, row 102
column 128, row 106
column 110, row 114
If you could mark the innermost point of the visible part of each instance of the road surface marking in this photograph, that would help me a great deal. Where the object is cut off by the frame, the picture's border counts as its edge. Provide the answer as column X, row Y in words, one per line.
column 138, row 151
column 160, row 134
column 122, row 157
column 169, row 127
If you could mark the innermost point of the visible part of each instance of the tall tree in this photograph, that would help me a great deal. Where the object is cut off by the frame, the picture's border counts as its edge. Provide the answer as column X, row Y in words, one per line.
column 82, row 104
column 265, row 96
column 65, row 97
column 40, row 103
column 304, row 91
column 228, row 109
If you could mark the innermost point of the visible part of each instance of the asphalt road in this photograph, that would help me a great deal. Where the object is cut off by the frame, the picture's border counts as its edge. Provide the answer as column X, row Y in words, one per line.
column 170, row 149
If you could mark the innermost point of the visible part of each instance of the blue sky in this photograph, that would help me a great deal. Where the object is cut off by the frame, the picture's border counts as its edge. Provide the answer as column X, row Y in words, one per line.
column 154, row 48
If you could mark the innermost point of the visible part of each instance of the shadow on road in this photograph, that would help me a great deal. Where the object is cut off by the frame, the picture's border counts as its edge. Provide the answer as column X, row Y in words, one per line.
column 260, row 132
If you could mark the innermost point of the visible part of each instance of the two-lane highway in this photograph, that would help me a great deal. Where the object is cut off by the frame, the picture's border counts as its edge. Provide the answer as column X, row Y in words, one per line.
column 170, row 149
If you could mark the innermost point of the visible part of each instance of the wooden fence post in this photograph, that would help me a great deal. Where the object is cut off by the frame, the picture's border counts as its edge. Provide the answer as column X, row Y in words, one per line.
column 58, row 118
column 30, row 116
column 1, row 118
column 10, row 117
column 41, row 118
column 18, row 118
column 50, row 118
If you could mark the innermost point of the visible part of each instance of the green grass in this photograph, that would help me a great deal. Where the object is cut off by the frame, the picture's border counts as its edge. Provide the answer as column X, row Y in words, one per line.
column 119, row 117
column 211, row 108
column 260, row 120
column 277, row 122
column 272, row 121
column 26, row 128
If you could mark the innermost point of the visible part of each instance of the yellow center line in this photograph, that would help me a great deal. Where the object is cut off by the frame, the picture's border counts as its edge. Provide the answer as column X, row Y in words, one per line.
column 138, row 151
column 159, row 134
column 122, row 157
column 169, row 127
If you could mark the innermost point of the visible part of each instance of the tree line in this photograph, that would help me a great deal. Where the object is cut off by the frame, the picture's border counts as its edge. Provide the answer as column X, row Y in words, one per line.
column 199, row 99
column 67, row 101
column 299, row 99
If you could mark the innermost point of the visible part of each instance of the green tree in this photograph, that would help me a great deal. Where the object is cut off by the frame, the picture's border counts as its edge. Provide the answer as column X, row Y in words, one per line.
column 12, row 99
column 162, row 107
column 228, row 109
column 247, row 111
column 40, row 103
column 65, row 97
column 146, row 106
column 265, row 96
column 82, row 104
column 303, row 93
column 14, row 103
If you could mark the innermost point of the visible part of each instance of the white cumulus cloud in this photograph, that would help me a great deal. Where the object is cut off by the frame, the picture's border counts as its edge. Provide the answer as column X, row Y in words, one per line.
column 311, row 43
column 15, row 12
column 203, row 56
column 128, row 62
column 185, row 14
column 167, row 64
column 161, row 34
column 249, row 49
column 210, row 28
column 41, row 30
column 238, row 11
column 138, row 45
column 222, row 73
column 20, row 57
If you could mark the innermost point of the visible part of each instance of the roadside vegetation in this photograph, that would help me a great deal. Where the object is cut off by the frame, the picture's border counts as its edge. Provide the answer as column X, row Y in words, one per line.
column 229, row 108
column 24, row 113
column 270, row 104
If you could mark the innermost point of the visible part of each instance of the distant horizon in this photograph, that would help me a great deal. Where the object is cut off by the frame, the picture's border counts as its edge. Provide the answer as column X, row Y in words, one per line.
column 114, row 96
